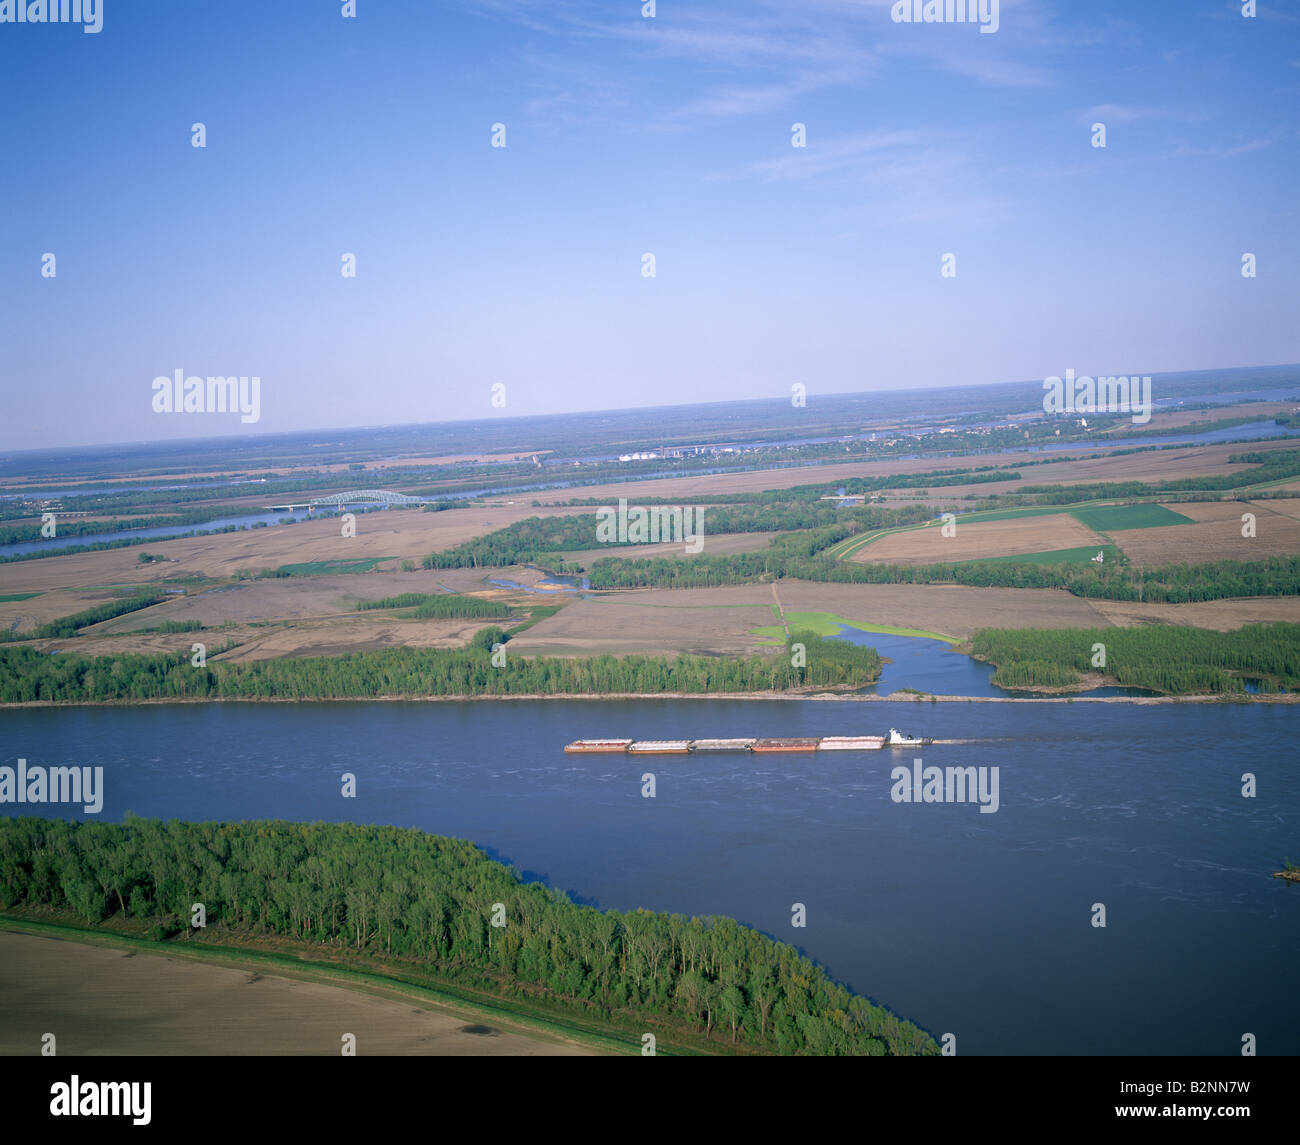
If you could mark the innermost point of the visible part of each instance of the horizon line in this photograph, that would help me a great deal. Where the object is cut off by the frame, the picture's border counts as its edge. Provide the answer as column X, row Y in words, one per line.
column 271, row 434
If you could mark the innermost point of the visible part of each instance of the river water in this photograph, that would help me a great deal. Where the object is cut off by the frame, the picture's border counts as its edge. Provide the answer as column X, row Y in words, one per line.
column 969, row 923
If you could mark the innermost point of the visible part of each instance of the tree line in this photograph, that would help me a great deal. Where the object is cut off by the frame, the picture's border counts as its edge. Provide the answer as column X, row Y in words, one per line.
column 537, row 539
column 20, row 534
column 27, row 675
column 1174, row 659
column 67, row 626
column 815, row 492
column 427, row 605
column 1270, row 465
column 427, row 903
column 1174, row 584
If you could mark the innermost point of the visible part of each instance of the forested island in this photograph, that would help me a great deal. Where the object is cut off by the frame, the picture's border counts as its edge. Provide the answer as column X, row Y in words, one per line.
column 1164, row 657
column 28, row 675
column 427, row 910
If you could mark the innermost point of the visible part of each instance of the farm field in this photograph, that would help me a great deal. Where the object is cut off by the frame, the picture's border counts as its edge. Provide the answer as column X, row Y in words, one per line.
column 295, row 597
column 1079, row 556
column 724, row 620
column 284, row 638
column 713, row 620
column 718, row 544
column 980, row 540
column 1112, row 518
column 405, row 535
column 1148, row 465
column 315, row 614
column 1215, row 534
column 22, row 615
column 346, row 635
column 1162, row 420
column 297, row 616
column 1073, row 466
column 104, row 1000
column 1221, row 615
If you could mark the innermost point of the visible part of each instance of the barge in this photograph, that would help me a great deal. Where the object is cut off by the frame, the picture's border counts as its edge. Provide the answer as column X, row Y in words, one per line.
column 721, row 744
column 786, row 743
column 776, row 744
column 585, row 745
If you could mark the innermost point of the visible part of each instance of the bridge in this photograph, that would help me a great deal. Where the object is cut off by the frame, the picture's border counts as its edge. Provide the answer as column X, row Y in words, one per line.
column 355, row 497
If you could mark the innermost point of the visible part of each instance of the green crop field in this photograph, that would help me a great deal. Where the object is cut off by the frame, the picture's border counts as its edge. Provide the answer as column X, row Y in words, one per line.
column 322, row 568
column 10, row 597
column 1113, row 518
column 828, row 624
column 982, row 515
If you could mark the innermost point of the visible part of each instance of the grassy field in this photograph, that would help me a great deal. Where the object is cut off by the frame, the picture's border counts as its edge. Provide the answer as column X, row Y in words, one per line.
column 536, row 616
column 828, row 624
column 1112, row 518
column 329, row 568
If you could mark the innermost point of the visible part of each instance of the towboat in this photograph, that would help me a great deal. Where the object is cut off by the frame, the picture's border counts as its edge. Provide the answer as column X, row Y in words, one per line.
column 898, row 739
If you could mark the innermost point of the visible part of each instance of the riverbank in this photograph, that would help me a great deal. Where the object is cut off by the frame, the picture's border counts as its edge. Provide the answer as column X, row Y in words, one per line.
column 854, row 697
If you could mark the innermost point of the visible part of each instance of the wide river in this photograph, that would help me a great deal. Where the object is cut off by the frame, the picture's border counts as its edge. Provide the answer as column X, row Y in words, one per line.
column 969, row 923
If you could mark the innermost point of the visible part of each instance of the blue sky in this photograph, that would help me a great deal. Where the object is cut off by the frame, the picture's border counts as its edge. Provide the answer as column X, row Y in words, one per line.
column 625, row 135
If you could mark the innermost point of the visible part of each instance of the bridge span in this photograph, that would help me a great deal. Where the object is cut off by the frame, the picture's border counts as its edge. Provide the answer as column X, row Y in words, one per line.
column 354, row 497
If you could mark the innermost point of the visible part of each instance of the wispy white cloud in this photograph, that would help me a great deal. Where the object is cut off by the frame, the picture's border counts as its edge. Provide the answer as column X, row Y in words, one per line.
column 1115, row 113
column 865, row 181
column 771, row 53
column 1184, row 150
column 844, row 155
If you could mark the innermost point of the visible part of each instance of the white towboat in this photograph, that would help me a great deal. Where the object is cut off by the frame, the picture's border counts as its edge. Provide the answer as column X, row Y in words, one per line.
column 898, row 739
